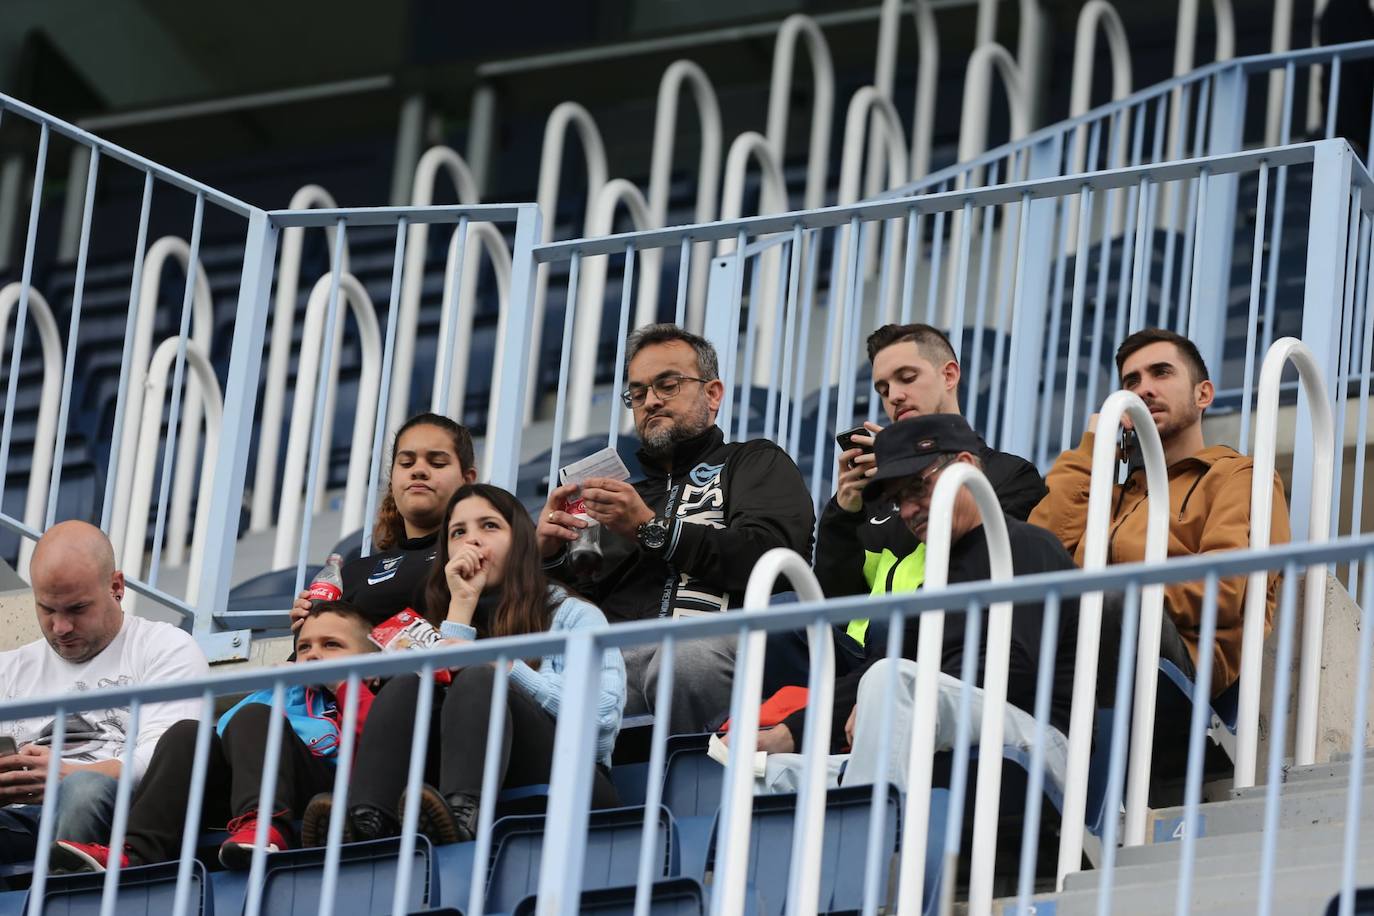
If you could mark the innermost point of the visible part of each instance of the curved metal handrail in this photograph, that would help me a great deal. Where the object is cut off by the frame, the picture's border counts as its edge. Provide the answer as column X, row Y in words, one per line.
column 915, row 822
column 1118, row 405
column 202, row 327
column 448, row 399
column 565, row 115
column 591, row 298
column 927, row 74
column 1185, row 36
column 1281, row 353
column 295, row 504
column 797, row 27
column 1097, row 14
column 149, row 431
column 660, row 175
column 973, row 125
column 49, row 400
column 279, row 351
column 737, row 793
column 412, row 282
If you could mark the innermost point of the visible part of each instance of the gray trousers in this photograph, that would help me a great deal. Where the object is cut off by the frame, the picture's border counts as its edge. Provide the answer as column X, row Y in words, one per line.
column 703, row 671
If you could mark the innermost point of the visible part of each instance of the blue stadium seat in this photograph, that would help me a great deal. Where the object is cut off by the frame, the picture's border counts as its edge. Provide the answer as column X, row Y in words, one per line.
column 611, row 854
column 630, row 781
column 673, row 897
column 692, row 791
column 842, row 855
column 147, row 890
column 367, row 877
column 273, row 590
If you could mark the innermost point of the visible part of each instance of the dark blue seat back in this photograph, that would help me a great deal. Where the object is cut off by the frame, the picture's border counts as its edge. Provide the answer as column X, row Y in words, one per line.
column 273, row 590
column 366, row 881
column 691, row 780
column 673, row 897
column 610, row 858
column 147, row 890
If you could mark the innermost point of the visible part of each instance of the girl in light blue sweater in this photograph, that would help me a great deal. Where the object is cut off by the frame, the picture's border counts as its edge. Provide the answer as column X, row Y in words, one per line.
column 487, row 581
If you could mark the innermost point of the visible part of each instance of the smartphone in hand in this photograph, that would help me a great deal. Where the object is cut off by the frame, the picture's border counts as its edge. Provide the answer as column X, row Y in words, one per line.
column 845, row 440
column 1129, row 453
column 8, row 747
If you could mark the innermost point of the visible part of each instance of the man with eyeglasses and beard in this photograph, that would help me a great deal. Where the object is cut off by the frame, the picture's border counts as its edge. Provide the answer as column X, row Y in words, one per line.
column 683, row 540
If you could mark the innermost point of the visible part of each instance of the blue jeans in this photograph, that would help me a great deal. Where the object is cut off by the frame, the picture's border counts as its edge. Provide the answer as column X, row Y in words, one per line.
column 85, row 808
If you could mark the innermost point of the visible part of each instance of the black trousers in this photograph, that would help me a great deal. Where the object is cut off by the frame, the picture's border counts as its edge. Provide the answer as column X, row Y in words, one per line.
column 233, row 780
column 457, row 746
column 1172, row 647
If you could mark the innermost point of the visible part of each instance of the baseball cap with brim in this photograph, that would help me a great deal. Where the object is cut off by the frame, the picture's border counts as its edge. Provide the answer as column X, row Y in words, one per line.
column 908, row 447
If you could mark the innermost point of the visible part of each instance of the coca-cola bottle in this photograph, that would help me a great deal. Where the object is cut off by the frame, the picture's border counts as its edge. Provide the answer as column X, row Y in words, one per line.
column 328, row 583
column 584, row 554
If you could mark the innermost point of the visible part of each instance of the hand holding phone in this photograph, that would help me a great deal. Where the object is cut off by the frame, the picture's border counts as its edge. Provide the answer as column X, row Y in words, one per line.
column 845, row 440
column 8, row 747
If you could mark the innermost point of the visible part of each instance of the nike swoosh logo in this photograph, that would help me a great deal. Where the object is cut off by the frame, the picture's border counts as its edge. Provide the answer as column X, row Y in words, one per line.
column 880, row 521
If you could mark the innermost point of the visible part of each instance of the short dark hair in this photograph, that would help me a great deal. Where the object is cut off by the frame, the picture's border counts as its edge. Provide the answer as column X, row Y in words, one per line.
column 708, row 366
column 1186, row 348
column 345, row 609
column 931, row 341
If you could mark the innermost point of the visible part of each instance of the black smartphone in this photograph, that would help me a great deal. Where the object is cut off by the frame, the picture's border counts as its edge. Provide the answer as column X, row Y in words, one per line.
column 1130, row 454
column 7, row 746
column 845, row 440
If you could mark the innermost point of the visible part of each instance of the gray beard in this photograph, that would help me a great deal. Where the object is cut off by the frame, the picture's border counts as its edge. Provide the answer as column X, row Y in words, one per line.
column 660, row 444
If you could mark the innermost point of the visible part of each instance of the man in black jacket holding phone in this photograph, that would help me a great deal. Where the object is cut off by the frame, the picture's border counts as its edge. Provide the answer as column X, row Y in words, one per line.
column 684, row 540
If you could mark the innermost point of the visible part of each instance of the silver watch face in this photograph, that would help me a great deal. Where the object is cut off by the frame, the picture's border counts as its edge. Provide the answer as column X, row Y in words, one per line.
column 653, row 534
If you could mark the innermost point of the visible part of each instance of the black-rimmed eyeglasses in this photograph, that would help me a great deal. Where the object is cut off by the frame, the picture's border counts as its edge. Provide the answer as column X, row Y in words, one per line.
column 666, row 388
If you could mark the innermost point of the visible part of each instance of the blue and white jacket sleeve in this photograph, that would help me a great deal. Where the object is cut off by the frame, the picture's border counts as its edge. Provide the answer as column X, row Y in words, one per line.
column 545, row 686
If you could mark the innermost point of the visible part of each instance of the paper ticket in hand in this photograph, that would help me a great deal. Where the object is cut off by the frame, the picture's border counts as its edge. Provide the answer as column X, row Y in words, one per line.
column 605, row 463
column 719, row 751
column 405, row 631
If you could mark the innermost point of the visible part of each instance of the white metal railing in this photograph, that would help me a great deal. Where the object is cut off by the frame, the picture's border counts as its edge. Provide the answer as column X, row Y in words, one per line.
column 1318, row 512
column 294, row 504
column 49, row 399
column 800, row 27
column 131, row 473
column 279, row 355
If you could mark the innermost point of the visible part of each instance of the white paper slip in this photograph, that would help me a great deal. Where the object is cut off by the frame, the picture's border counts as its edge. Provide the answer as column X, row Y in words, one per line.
column 605, row 463
column 719, row 751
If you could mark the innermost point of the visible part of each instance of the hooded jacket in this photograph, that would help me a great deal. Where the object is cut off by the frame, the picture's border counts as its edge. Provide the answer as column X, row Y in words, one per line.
column 1209, row 511
column 727, row 504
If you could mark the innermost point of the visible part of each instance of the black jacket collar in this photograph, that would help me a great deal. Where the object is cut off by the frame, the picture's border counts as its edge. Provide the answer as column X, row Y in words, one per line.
column 688, row 454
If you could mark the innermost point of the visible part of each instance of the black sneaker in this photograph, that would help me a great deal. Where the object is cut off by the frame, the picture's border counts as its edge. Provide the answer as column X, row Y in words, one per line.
column 436, row 820
column 315, row 822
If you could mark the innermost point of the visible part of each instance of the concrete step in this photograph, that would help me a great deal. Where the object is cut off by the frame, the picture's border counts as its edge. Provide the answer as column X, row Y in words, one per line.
column 1335, row 776
column 1238, row 863
column 1323, row 806
column 1298, row 889
column 1229, row 844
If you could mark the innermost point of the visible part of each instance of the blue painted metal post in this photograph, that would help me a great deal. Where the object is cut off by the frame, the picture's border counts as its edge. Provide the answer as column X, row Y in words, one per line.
column 720, row 287
column 240, row 406
column 1028, row 322
column 1207, row 327
column 1323, row 295
column 507, row 425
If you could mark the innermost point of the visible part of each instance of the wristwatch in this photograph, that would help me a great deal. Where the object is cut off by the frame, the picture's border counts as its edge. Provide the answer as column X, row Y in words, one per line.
column 652, row 535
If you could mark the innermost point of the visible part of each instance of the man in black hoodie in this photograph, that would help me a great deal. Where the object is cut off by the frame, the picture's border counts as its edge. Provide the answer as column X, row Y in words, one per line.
column 684, row 540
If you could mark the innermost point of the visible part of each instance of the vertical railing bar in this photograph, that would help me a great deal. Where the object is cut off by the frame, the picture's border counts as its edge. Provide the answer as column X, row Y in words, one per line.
column 956, row 325
column 26, row 278
column 1256, row 270
column 832, row 332
column 384, row 393
column 937, row 250
column 1357, row 751
column 121, row 399
column 1005, row 269
column 415, row 775
column 1052, row 345
column 1104, row 251
column 1195, row 275
column 913, row 251
column 271, row 762
column 653, row 791
column 69, row 368
column 1116, row 761
column 447, row 336
column 200, row 765
column 47, row 818
column 1280, row 196
column 626, row 301
column 807, row 846
column 1080, row 283
column 317, row 447
column 1278, row 738
column 684, row 269
column 1197, row 738
column 793, row 294
column 560, row 404
column 727, row 406
column 859, row 237
column 980, row 305
column 958, row 782
column 343, row 774
column 1333, row 93
column 1134, row 202
column 775, row 369
column 877, row 817
column 1362, row 425
column 124, row 790
column 486, row 807
column 178, row 379
column 1035, row 784
column 1018, row 290
column 1140, row 273
column 813, row 248
column 1192, row 238
column 1346, row 348
column 746, row 374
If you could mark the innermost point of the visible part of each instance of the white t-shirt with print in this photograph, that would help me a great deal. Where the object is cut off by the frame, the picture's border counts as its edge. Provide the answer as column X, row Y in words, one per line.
column 143, row 652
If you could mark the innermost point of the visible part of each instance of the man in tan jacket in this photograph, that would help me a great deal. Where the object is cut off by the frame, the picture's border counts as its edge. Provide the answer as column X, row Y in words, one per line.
column 1209, row 506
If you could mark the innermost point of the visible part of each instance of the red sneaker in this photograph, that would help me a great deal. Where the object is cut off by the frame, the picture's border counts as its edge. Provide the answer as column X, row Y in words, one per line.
column 237, row 851
column 67, row 857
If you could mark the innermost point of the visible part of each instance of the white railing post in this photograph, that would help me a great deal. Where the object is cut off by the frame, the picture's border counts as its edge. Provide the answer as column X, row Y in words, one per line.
column 1281, row 353
column 795, row 27
column 1118, row 405
column 202, row 326
column 49, row 400
column 973, row 124
column 294, row 503
column 567, row 114
column 660, row 177
column 1095, row 14
column 916, row 821
column 927, row 74
column 279, row 353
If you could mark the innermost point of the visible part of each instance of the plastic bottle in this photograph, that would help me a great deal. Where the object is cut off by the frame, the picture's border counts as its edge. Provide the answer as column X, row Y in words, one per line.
column 328, row 584
column 585, row 558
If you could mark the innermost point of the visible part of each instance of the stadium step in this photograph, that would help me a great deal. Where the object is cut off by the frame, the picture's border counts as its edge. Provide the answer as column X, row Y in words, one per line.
column 1227, row 845
column 1322, row 806
column 1329, row 850
column 1336, row 776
